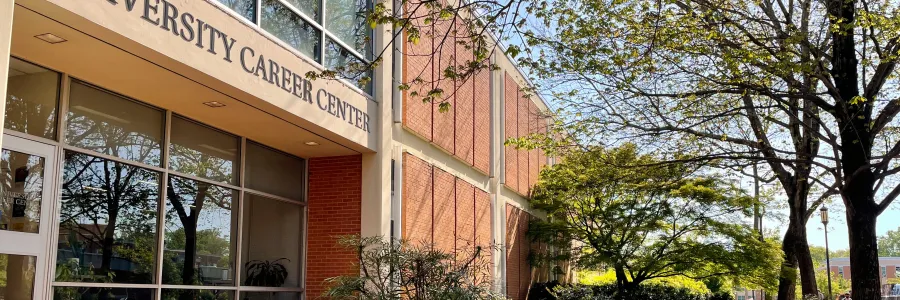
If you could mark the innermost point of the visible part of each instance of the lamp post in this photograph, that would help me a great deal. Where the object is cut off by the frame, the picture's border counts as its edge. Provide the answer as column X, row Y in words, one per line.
column 824, row 215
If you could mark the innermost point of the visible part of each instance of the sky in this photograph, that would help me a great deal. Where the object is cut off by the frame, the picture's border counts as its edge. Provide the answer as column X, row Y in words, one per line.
column 838, row 237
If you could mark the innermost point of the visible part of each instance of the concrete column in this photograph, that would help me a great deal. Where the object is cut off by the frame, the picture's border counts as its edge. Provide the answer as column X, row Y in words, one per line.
column 376, row 188
column 498, row 178
column 6, row 22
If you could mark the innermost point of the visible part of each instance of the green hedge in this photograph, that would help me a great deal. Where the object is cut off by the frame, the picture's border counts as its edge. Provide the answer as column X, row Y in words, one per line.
column 554, row 291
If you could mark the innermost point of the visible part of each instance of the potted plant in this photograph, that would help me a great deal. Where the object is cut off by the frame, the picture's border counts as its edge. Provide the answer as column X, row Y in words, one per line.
column 266, row 273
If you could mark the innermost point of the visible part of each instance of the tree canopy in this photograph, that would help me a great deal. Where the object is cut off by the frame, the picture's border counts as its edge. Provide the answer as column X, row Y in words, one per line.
column 646, row 223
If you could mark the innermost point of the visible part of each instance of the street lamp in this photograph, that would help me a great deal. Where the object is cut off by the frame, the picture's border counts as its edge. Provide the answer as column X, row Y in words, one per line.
column 824, row 215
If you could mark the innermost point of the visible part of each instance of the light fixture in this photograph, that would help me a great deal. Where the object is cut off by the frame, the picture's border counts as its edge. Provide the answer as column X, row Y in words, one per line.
column 50, row 38
column 824, row 215
column 100, row 114
column 311, row 143
column 214, row 104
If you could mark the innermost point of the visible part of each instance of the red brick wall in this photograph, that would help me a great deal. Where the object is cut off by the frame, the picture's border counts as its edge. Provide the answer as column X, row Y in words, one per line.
column 511, row 130
column 443, row 210
column 463, row 130
column 482, row 121
column 483, row 229
column 518, row 270
column 335, row 203
column 418, row 189
column 418, row 63
column 522, row 118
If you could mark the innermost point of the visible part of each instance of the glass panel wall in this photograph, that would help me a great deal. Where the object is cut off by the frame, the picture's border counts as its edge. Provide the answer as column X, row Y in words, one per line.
column 103, row 122
column 310, row 25
column 31, row 99
column 17, row 273
column 143, row 215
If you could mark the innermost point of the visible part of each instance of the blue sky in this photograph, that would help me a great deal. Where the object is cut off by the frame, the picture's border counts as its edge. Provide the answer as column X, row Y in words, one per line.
column 837, row 228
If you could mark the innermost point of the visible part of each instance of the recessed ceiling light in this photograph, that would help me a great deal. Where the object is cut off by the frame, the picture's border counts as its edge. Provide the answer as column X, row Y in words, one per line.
column 311, row 143
column 50, row 38
column 214, row 104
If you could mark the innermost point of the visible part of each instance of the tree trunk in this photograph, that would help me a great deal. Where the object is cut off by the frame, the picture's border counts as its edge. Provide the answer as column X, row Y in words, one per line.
column 190, row 251
column 865, row 272
column 787, row 279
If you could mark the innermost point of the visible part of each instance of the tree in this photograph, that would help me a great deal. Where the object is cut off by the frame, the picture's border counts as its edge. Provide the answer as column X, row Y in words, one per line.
column 807, row 87
column 649, row 223
column 399, row 270
column 889, row 244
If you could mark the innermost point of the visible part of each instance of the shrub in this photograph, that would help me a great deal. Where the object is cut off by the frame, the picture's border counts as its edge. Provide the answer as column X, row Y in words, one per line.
column 610, row 292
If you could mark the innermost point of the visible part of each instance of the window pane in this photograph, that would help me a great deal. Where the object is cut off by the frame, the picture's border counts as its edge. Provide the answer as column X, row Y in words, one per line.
column 204, row 152
column 270, row 295
column 22, row 189
column 272, row 238
column 170, row 294
column 199, row 227
column 31, row 99
column 348, row 66
column 346, row 19
column 85, row 293
column 310, row 8
column 17, row 276
column 274, row 172
column 245, row 8
column 108, row 219
column 109, row 124
column 283, row 23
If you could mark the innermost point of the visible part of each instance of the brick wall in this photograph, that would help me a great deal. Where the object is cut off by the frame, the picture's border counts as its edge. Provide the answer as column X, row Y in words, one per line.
column 518, row 270
column 521, row 118
column 443, row 210
column 334, row 210
column 463, row 130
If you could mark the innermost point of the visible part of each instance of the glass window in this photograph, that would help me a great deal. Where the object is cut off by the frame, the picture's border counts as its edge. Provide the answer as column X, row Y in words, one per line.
column 310, row 8
column 172, row 294
column 348, row 66
column 109, row 124
column 199, row 227
column 283, row 23
column 271, row 296
column 102, row 293
column 17, row 276
column 108, row 219
column 245, row 8
column 272, row 242
column 274, row 172
column 346, row 19
column 21, row 191
column 204, row 152
column 31, row 99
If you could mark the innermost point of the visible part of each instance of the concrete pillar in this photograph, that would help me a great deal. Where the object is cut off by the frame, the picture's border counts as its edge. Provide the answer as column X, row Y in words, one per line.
column 376, row 188
column 6, row 23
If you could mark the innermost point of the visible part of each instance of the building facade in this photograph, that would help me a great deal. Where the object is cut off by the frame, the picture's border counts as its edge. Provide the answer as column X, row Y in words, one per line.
column 174, row 149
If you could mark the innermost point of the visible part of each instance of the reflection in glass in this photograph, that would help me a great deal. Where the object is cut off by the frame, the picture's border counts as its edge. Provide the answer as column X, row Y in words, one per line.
column 199, row 227
column 202, row 151
column 310, row 8
column 348, row 66
column 109, row 124
column 270, row 295
column 273, row 172
column 97, row 293
column 272, row 234
column 17, row 276
column 283, row 23
column 172, row 294
column 21, row 191
column 108, row 219
column 346, row 19
column 31, row 99
column 245, row 8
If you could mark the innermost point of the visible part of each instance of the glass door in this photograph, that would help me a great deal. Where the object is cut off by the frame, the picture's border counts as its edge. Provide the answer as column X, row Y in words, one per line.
column 27, row 179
